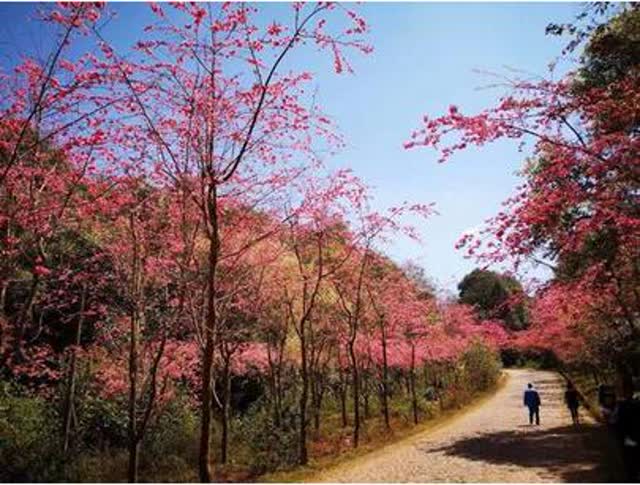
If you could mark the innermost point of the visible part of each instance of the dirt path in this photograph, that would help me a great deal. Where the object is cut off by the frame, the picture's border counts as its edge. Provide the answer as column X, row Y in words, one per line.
column 495, row 443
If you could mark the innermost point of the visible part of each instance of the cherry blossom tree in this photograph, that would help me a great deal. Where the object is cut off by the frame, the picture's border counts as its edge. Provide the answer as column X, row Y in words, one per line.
column 349, row 283
column 576, row 210
column 316, row 230
column 212, row 106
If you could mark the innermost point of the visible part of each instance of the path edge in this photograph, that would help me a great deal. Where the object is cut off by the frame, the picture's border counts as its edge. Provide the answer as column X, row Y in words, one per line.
column 314, row 472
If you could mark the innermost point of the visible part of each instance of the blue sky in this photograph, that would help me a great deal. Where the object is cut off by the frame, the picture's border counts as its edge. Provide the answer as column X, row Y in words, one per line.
column 426, row 57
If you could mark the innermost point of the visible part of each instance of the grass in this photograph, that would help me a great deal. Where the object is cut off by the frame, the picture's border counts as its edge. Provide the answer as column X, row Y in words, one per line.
column 379, row 438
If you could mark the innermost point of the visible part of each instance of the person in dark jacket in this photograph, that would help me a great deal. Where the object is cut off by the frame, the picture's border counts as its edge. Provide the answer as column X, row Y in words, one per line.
column 572, row 400
column 532, row 401
column 607, row 402
column 628, row 431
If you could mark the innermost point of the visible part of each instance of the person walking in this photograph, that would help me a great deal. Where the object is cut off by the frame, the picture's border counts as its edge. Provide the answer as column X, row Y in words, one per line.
column 607, row 402
column 572, row 400
column 532, row 401
column 628, row 432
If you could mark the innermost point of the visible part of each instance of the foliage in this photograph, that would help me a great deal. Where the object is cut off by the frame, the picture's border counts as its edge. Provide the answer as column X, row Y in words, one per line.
column 29, row 451
column 612, row 52
column 269, row 446
column 528, row 358
column 171, row 451
column 481, row 366
column 102, row 422
column 184, row 283
column 577, row 209
column 494, row 295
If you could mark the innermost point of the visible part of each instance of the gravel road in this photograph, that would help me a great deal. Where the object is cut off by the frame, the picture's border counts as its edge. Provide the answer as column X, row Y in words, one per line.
column 494, row 443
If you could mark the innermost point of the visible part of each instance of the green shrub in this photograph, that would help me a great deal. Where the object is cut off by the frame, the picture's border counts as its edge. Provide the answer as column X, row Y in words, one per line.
column 481, row 367
column 99, row 467
column 534, row 359
column 168, row 453
column 172, row 440
column 102, row 423
column 268, row 447
column 29, row 437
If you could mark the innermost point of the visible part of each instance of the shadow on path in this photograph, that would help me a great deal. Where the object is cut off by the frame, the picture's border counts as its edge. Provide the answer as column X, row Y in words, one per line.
column 575, row 454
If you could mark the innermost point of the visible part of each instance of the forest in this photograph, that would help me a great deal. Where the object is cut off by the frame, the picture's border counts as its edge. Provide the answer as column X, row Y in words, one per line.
column 188, row 292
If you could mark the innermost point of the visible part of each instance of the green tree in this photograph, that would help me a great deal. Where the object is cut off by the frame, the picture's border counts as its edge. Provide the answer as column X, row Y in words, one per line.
column 613, row 50
column 495, row 296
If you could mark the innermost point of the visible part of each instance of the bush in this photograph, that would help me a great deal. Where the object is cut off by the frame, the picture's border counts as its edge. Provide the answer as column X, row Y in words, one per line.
column 99, row 467
column 529, row 358
column 103, row 423
column 30, row 448
column 457, row 394
column 171, row 443
column 481, row 367
column 168, row 452
column 268, row 447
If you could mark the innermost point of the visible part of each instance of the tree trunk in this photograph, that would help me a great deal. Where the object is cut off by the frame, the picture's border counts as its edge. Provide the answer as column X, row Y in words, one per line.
column 274, row 389
column 278, row 379
column 321, row 394
column 71, row 385
column 304, row 397
column 275, row 398
column 624, row 378
column 356, row 394
column 439, row 388
column 205, row 407
column 343, row 404
column 594, row 374
column 385, row 380
column 226, row 384
column 316, row 422
column 365, row 398
column 206, row 391
column 314, row 398
column 412, row 381
column 317, row 404
column 3, row 297
column 133, row 396
column 134, row 453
